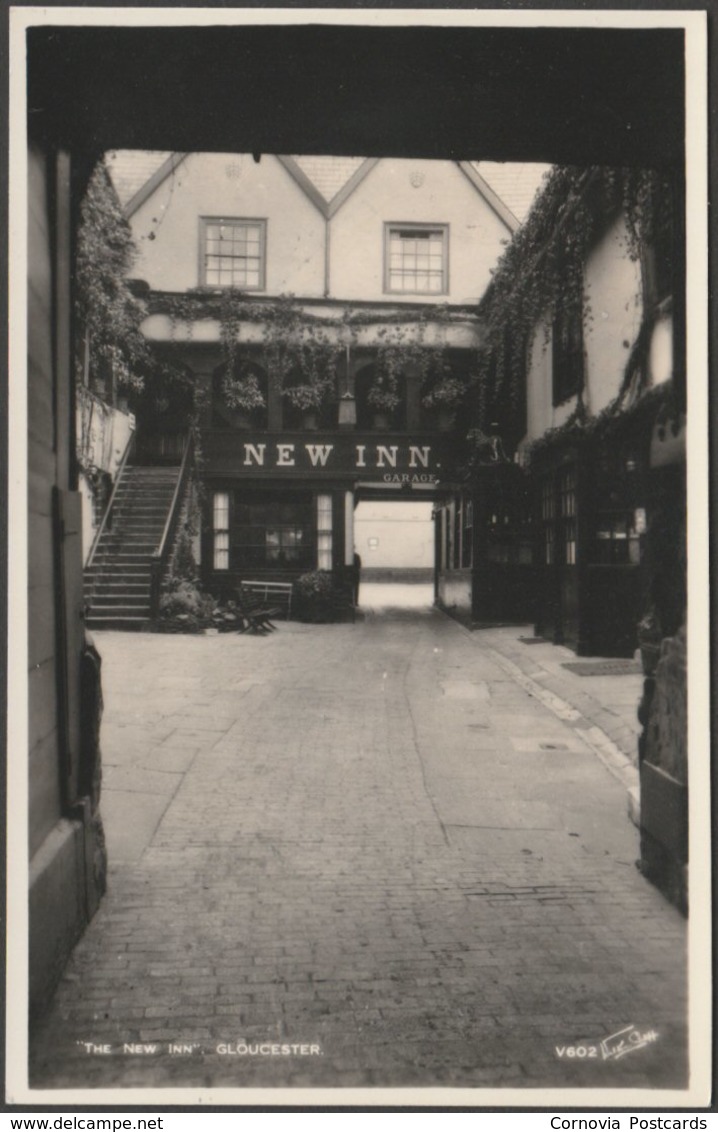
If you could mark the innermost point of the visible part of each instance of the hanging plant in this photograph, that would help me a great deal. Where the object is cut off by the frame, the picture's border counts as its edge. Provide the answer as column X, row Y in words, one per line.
column 315, row 374
column 384, row 393
column 448, row 391
column 241, row 389
column 300, row 351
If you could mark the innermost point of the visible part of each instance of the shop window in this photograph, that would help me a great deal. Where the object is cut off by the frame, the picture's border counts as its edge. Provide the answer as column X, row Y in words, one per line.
column 449, row 536
column 468, row 534
column 232, row 253
column 267, row 532
column 567, row 514
column 443, row 536
column 416, row 259
column 220, row 530
column 567, row 353
column 617, row 538
column 548, row 518
column 324, row 532
column 508, row 534
column 458, row 524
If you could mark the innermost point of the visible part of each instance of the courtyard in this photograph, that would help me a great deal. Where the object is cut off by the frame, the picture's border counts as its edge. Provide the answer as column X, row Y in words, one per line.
column 374, row 854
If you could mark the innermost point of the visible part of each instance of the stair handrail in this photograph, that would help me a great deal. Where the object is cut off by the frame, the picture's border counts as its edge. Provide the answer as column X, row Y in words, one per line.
column 161, row 554
column 120, row 472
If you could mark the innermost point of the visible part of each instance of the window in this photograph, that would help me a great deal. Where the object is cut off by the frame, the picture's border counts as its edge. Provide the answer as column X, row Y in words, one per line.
column 458, row 525
column 567, row 514
column 233, row 253
column 468, row 535
column 416, row 259
column 324, row 532
column 267, row 532
column 567, row 353
column 548, row 519
column 220, row 525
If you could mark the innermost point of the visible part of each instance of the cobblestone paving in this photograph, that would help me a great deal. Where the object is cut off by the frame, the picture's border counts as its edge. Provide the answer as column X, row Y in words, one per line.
column 368, row 844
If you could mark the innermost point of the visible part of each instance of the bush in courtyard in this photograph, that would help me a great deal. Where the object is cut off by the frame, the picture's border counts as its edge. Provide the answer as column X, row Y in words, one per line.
column 313, row 596
column 183, row 609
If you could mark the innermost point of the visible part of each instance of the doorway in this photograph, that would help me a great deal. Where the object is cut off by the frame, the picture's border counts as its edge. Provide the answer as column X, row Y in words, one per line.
column 395, row 541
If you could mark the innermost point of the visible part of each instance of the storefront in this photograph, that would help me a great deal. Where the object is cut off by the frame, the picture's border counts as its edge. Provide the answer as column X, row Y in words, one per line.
column 484, row 547
column 278, row 505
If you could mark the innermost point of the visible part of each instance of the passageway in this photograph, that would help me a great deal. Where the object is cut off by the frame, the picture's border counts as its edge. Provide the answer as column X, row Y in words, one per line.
column 369, row 852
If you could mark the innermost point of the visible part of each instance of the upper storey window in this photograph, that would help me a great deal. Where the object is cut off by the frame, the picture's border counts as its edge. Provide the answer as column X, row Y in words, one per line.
column 416, row 259
column 568, row 363
column 232, row 253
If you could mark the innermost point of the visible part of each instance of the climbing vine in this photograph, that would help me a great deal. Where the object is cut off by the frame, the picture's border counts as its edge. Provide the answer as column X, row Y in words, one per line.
column 113, row 347
column 542, row 271
column 300, row 350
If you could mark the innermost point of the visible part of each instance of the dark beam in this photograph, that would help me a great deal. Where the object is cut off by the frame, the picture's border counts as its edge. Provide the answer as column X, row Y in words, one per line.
column 568, row 95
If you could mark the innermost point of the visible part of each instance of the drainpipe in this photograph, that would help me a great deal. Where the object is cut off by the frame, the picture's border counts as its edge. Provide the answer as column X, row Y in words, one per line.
column 327, row 241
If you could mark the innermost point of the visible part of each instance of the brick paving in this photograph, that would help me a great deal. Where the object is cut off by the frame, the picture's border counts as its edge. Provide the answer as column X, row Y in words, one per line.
column 370, row 846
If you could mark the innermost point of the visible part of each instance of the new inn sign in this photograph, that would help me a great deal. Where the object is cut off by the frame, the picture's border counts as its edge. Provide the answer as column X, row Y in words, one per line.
column 383, row 459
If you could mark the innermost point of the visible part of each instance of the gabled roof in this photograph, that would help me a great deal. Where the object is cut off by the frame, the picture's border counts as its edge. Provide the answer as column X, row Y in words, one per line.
column 515, row 183
column 340, row 178
column 154, row 182
column 327, row 181
column 329, row 174
column 131, row 169
column 489, row 195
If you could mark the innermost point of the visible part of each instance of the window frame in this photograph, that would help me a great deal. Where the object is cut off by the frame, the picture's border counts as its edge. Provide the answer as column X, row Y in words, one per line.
column 261, row 222
column 224, row 531
column 391, row 226
column 249, row 541
column 324, row 534
column 568, row 363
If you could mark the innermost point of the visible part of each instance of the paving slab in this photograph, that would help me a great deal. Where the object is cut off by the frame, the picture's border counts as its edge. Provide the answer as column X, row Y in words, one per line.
column 421, row 889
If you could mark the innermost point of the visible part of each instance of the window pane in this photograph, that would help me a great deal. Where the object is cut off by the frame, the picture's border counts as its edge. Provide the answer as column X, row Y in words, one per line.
column 221, row 510
column 221, row 550
column 416, row 260
column 233, row 254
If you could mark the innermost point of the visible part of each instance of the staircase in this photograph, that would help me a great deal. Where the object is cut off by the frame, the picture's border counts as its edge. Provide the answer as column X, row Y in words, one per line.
column 117, row 583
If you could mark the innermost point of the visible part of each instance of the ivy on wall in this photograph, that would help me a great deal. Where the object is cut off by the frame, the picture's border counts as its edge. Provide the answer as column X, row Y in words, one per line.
column 542, row 271
column 301, row 351
column 108, row 313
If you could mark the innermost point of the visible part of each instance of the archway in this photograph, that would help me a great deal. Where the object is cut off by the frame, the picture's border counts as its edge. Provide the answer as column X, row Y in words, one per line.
column 394, row 538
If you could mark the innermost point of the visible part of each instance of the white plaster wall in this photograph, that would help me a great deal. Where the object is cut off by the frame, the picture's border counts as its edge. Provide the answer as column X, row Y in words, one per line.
column 88, row 516
column 540, row 411
column 387, row 195
column 109, row 443
column 613, row 288
column 405, row 533
column 204, row 184
column 660, row 358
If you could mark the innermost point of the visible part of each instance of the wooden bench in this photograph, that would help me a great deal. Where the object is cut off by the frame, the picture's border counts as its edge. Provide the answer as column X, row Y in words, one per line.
column 254, row 614
column 275, row 593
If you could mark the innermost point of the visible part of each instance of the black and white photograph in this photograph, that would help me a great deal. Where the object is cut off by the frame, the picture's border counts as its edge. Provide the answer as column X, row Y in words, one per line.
column 358, row 615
